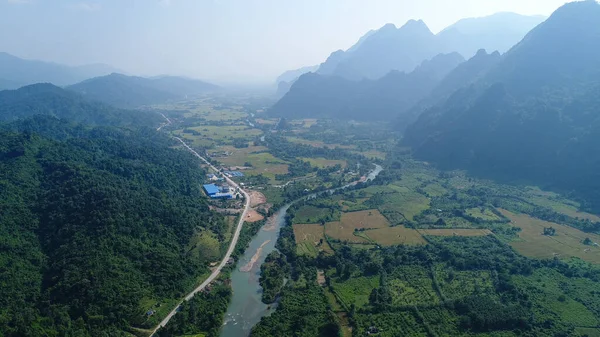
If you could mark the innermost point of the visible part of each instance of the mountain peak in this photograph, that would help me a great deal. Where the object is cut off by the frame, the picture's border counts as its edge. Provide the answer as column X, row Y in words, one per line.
column 415, row 26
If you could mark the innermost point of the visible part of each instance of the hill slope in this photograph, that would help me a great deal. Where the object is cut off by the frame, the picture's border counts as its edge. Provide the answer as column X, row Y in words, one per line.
column 534, row 116
column 131, row 92
column 315, row 95
column 47, row 99
column 19, row 72
column 93, row 226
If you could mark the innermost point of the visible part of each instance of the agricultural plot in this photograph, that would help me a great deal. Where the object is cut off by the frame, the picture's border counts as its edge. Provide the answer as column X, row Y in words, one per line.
column 324, row 163
column 558, row 204
column 412, row 285
column 310, row 239
column 547, row 291
column 317, row 143
column 210, row 135
column 566, row 243
column 356, row 290
column 398, row 235
column 455, row 232
column 347, row 229
column 458, row 284
column 482, row 213
column 311, row 214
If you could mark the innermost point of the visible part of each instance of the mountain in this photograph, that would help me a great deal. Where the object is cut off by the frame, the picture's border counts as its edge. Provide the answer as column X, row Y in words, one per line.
column 534, row 116
column 497, row 32
column 97, row 225
column 389, row 48
column 315, row 95
column 464, row 75
column 20, row 72
column 131, row 92
column 403, row 49
column 292, row 75
column 48, row 99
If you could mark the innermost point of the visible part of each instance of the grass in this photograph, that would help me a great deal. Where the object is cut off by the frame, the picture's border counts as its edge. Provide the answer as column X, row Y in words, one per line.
column 565, row 244
column 310, row 239
column 205, row 247
column 324, row 163
column 398, row 235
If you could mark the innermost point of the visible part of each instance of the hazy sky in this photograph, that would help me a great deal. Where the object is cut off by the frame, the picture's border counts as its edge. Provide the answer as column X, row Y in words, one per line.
column 226, row 40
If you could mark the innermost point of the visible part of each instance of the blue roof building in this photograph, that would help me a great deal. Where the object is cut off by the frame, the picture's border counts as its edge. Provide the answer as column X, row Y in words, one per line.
column 211, row 189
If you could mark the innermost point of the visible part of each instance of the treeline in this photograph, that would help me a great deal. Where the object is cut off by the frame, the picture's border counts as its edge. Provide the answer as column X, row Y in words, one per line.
column 93, row 220
column 203, row 314
column 273, row 273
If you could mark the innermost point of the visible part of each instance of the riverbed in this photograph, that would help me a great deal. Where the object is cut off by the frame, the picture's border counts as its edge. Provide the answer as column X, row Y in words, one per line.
column 246, row 308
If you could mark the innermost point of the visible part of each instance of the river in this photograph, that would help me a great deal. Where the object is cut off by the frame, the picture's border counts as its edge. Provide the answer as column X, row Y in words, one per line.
column 246, row 307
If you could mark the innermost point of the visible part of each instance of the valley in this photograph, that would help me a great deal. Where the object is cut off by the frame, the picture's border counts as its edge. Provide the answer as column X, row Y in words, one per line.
column 428, row 179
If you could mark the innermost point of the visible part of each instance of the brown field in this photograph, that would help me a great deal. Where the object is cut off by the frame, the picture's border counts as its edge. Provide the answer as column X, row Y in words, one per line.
column 257, row 198
column 308, row 239
column 566, row 243
column 266, row 121
column 344, row 229
column 399, row 235
column 253, row 216
column 455, row 232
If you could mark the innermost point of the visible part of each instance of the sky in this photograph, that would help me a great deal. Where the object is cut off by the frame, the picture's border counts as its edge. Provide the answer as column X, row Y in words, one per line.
column 242, row 41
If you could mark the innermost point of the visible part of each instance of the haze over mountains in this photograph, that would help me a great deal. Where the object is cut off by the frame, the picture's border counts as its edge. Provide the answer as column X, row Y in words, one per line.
column 131, row 91
column 16, row 72
column 404, row 48
column 534, row 116
column 314, row 95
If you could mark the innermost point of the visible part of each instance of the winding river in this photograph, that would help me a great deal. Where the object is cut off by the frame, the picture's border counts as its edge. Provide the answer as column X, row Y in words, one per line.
column 246, row 308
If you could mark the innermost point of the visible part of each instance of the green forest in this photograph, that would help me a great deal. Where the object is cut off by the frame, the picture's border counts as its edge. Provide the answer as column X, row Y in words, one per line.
column 96, row 223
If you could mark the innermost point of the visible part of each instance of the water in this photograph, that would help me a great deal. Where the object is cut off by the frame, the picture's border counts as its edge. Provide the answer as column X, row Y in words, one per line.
column 246, row 307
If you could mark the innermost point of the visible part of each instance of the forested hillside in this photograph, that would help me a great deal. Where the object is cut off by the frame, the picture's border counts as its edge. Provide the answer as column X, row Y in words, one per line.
column 131, row 91
column 320, row 96
column 48, row 99
column 534, row 116
column 95, row 222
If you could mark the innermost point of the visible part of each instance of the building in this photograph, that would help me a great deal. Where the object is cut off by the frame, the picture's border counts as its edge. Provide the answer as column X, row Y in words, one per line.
column 214, row 192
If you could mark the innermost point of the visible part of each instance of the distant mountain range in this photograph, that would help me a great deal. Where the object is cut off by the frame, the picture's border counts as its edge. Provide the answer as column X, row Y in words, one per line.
column 50, row 100
column 131, row 91
column 389, row 48
column 315, row 95
column 534, row 116
column 16, row 72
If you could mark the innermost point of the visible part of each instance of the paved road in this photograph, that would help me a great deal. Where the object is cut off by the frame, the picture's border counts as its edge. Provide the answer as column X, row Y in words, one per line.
column 234, row 240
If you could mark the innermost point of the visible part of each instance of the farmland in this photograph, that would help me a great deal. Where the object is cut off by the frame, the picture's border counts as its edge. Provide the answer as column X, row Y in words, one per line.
column 398, row 235
column 567, row 242
column 323, row 163
column 310, row 239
